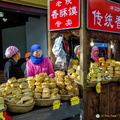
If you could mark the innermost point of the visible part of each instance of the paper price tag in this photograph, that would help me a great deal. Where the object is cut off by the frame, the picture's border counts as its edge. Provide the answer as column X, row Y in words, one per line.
column 75, row 100
column 4, row 116
column 98, row 87
column 1, row 116
column 56, row 104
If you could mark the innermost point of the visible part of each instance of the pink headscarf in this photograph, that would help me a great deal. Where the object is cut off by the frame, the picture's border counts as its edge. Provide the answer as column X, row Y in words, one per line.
column 95, row 58
column 10, row 51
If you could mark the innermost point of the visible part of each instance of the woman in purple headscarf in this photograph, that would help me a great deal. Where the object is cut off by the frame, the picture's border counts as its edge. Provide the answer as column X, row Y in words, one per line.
column 38, row 63
column 11, row 69
column 94, row 54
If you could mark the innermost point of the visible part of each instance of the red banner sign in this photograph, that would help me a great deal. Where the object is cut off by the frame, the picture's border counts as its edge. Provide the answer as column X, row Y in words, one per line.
column 103, row 15
column 64, row 14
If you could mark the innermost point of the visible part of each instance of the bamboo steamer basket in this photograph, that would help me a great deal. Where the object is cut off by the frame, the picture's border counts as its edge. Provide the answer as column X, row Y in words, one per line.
column 45, row 102
column 19, row 108
column 66, row 97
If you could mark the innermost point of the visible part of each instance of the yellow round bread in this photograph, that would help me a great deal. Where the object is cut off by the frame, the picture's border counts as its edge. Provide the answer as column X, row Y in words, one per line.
column 117, row 68
column 108, row 61
column 109, row 68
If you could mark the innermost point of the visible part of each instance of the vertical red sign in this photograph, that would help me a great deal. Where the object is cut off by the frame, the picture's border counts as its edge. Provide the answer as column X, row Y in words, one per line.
column 103, row 15
column 64, row 14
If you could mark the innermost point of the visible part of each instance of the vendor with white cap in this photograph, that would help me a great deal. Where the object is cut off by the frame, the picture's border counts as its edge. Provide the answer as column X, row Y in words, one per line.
column 77, row 51
column 11, row 69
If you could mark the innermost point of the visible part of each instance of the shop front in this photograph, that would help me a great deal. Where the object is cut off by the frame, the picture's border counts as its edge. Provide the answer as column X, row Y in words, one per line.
column 98, row 25
column 103, row 24
column 44, row 109
column 71, row 24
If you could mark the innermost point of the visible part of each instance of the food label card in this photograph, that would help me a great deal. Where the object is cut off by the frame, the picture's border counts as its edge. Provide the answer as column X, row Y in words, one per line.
column 56, row 104
column 74, row 100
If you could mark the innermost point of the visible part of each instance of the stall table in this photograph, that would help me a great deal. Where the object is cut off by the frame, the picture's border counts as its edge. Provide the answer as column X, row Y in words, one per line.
column 46, row 113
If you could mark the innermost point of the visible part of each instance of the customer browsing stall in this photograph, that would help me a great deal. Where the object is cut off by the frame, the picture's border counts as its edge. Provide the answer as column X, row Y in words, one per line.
column 11, row 69
column 38, row 63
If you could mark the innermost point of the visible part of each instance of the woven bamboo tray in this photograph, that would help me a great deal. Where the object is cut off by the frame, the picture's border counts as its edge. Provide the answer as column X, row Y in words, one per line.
column 115, row 79
column 92, row 84
column 19, row 108
column 45, row 102
column 105, row 81
column 66, row 97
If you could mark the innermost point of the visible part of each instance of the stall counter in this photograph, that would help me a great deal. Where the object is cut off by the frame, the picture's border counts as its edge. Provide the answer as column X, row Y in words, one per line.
column 46, row 113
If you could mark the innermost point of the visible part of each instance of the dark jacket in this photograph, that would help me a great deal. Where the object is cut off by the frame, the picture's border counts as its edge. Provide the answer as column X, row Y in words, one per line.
column 91, row 59
column 11, row 69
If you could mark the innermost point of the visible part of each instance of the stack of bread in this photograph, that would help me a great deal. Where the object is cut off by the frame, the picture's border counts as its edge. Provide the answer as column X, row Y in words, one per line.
column 99, row 71
column 116, row 68
column 103, row 70
column 65, row 83
column 111, row 67
column 16, row 91
column 43, row 86
column 74, row 70
column 117, row 71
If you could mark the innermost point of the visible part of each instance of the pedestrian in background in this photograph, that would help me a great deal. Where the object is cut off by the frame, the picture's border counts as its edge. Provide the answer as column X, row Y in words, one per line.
column 23, row 66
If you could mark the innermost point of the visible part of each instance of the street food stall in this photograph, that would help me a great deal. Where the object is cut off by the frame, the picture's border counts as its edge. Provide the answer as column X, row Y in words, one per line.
column 50, row 107
column 101, row 98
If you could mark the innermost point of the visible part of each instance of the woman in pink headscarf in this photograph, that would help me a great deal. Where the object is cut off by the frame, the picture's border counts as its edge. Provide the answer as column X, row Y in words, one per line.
column 94, row 54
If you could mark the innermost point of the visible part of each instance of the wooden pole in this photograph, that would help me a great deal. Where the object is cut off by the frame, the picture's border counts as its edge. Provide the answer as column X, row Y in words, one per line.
column 50, row 40
column 109, row 52
column 83, row 44
column 84, row 57
column 50, row 45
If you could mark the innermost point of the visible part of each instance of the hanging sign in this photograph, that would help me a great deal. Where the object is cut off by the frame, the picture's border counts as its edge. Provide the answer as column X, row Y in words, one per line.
column 103, row 15
column 101, row 44
column 56, row 104
column 64, row 14
column 98, row 87
column 75, row 100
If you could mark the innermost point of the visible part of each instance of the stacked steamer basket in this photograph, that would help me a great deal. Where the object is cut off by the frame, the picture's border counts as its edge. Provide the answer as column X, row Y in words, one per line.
column 44, row 89
column 17, row 95
column 66, row 85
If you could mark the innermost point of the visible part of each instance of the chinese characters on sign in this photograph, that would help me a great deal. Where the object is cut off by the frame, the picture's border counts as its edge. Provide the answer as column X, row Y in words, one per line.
column 64, row 14
column 103, row 15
